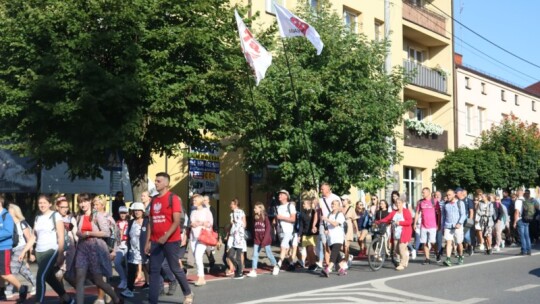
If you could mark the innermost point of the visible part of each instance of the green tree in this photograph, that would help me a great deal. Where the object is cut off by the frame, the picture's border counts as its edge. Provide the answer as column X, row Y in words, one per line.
column 470, row 169
column 506, row 156
column 342, row 126
column 82, row 79
column 518, row 146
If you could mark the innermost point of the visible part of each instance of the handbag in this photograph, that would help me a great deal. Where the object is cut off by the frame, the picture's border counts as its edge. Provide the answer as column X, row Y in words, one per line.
column 208, row 237
column 469, row 223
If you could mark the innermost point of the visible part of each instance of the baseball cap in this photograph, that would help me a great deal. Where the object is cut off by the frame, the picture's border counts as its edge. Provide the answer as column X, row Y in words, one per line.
column 345, row 197
column 137, row 206
column 285, row 192
column 123, row 209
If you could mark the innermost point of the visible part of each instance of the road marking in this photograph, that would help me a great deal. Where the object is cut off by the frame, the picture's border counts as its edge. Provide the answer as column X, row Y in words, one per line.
column 380, row 286
column 522, row 288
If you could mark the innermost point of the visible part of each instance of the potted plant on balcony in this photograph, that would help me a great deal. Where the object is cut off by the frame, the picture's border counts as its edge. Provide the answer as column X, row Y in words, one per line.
column 442, row 72
column 423, row 127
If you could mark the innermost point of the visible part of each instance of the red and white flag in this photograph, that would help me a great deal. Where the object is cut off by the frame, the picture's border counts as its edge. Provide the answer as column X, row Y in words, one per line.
column 256, row 55
column 292, row 26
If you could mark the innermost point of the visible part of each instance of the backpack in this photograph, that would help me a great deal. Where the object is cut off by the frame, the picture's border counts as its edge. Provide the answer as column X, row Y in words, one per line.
column 15, row 237
column 527, row 215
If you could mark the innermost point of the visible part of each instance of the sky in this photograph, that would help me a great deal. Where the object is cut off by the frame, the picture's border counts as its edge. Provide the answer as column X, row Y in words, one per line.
column 513, row 25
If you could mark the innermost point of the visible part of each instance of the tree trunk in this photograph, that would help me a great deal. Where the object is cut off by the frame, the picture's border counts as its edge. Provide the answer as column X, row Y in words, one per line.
column 138, row 171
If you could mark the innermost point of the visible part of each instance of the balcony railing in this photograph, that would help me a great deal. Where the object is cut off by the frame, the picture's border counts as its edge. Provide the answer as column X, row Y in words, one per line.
column 424, row 17
column 425, row 77
column 429, row 142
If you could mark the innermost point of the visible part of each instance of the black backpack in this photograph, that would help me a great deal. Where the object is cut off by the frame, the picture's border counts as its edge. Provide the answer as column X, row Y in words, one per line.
column 15, row 231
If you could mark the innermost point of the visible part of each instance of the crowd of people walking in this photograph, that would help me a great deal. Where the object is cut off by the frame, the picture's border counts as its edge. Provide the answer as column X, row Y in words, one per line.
column 148, row 241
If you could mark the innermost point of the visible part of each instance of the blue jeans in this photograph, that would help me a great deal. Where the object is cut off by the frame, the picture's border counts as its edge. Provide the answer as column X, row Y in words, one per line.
column 158, row 253
column 268, row 249
column 523, row 229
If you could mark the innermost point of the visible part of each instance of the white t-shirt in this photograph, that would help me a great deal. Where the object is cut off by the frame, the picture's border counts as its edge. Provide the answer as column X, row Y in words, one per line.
column 336, row 234
column 332, row 197
column 284, row 210
column 46, row 231
column 518, row 205
column 134, row 254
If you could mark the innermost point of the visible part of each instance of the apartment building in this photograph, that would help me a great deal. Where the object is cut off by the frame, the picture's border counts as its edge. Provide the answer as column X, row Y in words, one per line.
column 483, row 100
column 421, row 36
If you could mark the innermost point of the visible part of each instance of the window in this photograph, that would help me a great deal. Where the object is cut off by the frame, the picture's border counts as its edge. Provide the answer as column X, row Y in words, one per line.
column 350, row 19
column 379, row 30
column 533, row 105
column 412, row 182
column 516, row 99
column 416, row 55
column 467, row 83
column 270, row 5
column 484, row 88
column 481, row 117
column 503, row 97
column 469, row 118
column 420, row 113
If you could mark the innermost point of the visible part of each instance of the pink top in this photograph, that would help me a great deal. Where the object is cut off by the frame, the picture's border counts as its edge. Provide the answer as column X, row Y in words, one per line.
column 429, row 213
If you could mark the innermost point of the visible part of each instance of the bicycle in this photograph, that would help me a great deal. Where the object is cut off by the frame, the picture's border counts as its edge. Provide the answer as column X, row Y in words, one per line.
column 380, row 247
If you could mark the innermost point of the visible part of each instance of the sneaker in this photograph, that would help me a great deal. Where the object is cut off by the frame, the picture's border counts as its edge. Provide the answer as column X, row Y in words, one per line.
column 325, row 272
column 448, row 262
column 497, row 249
column 33, row 292
column 489, row 252
column 23, row 293
column 189, row 298
column 481, row 247
column 460, row 260
column 413, row 254
column 275, row 271
column 239, row 277
column 8, row 294
column 438, row 259
column 127, row 293
column 342, row 272
column 312, row 267
column 252, row 273
column 503, row 244
column 470, row 250
column 529, row 253
column 426, row 262
column 98, row 301
column 122, row 285
column 172, row 288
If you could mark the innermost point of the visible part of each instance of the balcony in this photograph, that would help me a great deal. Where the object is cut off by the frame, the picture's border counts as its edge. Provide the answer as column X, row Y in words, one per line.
column 429, row 142
column 424, row 17
column 425, row 77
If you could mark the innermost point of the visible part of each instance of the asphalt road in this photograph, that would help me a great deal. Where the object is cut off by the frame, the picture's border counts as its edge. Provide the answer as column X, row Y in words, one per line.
column 502, row 277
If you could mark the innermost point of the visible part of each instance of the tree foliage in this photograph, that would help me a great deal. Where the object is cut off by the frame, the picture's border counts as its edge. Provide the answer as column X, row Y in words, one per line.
column 506, row 156
column 347, row 110
column 82, row 79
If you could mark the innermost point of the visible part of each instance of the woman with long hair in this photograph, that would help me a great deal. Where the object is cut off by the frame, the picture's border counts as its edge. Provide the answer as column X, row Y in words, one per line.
column 200, row 218
column 67, row 271
column 236, row 243
column 50, row 232
column 18, row 254
column 136, row 232
column 402, row 218
column 350, row 219
column 363, row 222
column 262, row 238
column 92, row 253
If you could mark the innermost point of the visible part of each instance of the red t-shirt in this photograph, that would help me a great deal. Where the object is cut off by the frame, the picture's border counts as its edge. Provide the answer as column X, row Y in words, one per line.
column 162, row 216
column 86, row 224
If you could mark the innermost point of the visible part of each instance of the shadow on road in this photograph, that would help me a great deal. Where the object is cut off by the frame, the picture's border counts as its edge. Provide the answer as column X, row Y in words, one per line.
column 535, row 272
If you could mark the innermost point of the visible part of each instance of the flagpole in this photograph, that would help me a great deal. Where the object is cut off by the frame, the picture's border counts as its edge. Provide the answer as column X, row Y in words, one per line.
column 304, row 137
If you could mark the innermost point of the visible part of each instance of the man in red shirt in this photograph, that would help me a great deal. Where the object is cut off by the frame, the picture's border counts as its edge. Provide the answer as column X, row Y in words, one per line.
column 163, row 238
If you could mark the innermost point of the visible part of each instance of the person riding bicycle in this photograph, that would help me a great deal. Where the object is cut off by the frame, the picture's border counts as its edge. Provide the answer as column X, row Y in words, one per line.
column 402, row 219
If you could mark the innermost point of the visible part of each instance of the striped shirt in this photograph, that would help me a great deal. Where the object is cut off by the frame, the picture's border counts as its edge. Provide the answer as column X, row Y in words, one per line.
column 453, row 214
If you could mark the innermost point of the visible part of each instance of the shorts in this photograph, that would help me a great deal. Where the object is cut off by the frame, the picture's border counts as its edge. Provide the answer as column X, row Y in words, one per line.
column 286, row 240
column 5, row 261
column 454, row 234
column 428, row 235
column 308, row 240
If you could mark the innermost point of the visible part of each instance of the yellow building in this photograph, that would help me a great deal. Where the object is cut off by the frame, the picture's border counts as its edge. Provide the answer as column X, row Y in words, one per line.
column 421, row 37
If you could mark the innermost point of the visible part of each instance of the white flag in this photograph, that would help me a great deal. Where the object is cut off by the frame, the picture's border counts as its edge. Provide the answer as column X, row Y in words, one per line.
column 256, row 55
column 292, row 26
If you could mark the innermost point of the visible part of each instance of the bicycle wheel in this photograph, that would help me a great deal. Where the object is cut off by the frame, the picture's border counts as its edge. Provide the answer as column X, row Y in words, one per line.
column 377, row 254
